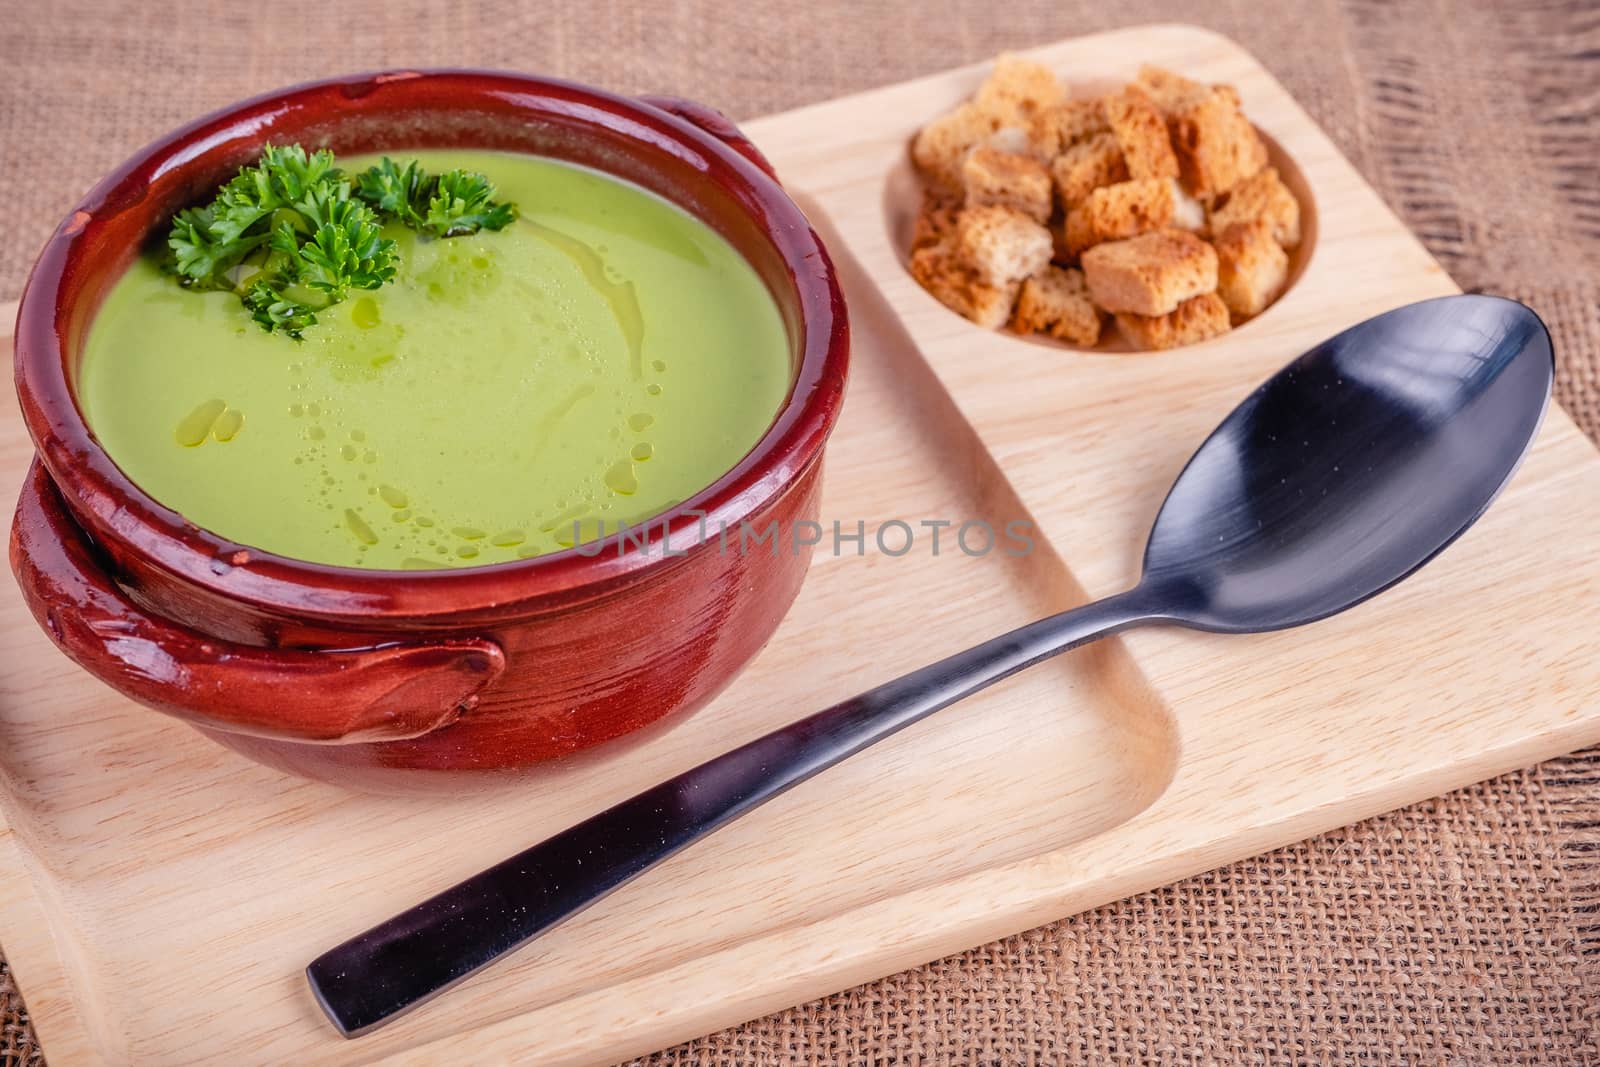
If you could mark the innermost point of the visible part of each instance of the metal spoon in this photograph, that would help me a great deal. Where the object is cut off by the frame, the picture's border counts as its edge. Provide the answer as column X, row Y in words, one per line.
column 1342, row 474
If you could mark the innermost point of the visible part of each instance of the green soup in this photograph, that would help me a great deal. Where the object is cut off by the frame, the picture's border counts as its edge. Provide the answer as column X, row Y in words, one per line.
column 601, row 359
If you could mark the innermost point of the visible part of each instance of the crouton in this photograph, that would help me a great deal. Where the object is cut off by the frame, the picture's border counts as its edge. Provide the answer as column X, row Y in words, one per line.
column 1261, row 196
column 1252, row 267
column 1150, row 274
column 1196, row 319
column 1113, row 212
column 1016, row 90
column 1059, row 127
column 1142, row 133
column 1056, row 302
column 936, row 219
column 995, row 177
column 1217, row 148
column 937, row 269
column 1187, row 212
column 1001, row 244
column 1167, row 90
column 1086, row 166
column 942, row 145
column 1012, row 139
column 1170, row 92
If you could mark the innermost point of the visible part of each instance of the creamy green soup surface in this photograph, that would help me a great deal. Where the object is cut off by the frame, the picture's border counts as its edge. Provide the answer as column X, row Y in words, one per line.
column 600, row 359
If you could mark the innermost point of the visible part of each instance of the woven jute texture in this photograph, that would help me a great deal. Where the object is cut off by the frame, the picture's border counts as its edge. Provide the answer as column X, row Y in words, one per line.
column 1465, row 930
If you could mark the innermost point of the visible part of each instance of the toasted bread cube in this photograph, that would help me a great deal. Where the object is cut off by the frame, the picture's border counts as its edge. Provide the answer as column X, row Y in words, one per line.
column 1150, row 274
column 1113, row 212
column 1252, row 268
column 1086, row 166
column 1062, row 125
column 1262, row 196
column 1196, row 319
column 1217, row 148
column 995, row 177
column 1056, row 302
column 936, row 219
column 1078, row 233
column 1187, row 212
column 942, row 145
column 1142, row 133
column 1170, row 92
column 1002, row 244
column 1012, row 139
column 939, row 270
column 1167, row 90
column 1017, row 89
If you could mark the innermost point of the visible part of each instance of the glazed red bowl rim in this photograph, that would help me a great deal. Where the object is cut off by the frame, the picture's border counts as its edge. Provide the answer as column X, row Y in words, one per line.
column 113, row 508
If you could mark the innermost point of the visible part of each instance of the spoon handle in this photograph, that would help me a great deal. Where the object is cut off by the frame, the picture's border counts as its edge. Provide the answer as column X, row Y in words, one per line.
column 421, row 952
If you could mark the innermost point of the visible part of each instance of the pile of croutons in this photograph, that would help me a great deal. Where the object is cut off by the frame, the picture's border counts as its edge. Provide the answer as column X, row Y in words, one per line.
column 1154, row 204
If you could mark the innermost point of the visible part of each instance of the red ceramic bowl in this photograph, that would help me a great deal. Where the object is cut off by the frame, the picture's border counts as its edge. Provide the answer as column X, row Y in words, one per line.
column 356, row 675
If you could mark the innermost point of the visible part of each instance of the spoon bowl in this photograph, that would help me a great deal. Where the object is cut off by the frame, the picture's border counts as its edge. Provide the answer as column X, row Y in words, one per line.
column 1353, row 466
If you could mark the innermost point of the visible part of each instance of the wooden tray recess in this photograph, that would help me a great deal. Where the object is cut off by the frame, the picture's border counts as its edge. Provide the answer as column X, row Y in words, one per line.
column 159, row 896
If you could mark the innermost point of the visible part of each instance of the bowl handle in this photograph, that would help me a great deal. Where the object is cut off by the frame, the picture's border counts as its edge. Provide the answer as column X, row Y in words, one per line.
column 342, row 696
column 715, row 123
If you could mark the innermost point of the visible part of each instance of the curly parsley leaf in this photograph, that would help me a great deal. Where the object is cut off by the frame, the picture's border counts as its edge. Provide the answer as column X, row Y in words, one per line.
column 348, row 251
column 201, row 255
column 276, row 313
column 453, row 204
column 463, row 203
column 395, row 192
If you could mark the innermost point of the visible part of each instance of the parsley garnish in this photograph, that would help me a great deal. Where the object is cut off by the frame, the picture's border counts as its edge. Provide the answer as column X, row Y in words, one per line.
column 452, row 204
column 292, row 236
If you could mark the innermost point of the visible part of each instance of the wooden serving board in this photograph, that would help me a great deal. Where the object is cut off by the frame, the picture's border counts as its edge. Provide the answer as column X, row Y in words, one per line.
column 159, row 896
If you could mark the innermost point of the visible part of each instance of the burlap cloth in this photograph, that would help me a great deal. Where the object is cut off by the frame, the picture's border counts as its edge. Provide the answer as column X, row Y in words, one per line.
column 1462, row 930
